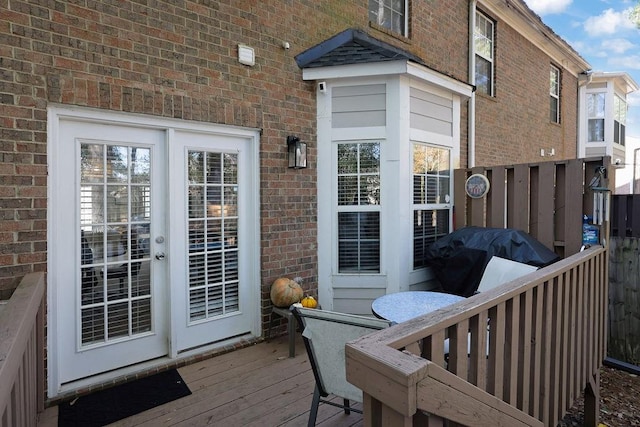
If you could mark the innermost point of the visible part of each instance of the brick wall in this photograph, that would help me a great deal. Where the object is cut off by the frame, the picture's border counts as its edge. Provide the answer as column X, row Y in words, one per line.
column 514, row 126
column 175, row 60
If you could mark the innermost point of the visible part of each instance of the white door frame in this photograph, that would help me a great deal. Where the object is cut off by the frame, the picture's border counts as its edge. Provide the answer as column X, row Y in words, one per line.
column 58, row 112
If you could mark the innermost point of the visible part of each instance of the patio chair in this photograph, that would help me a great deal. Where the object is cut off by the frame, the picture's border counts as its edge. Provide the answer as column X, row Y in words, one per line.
column 502, row 270
column 121, row 271
column 325, row 334
column 497, row 272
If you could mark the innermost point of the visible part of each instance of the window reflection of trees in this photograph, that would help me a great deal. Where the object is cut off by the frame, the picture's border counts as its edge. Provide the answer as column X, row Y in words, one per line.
column 358, row 201
column 359, row 174
column 431, row 188
column 124, row 173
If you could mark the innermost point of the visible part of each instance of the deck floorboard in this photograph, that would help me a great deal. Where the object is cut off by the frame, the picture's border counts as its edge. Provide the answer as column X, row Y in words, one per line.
column 254, row 386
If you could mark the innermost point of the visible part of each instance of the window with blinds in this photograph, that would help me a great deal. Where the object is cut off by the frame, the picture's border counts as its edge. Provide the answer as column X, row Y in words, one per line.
column 431, row 198
column 358, row 207
column 619, row 120
column 596, row 112
column 554, row 93
column 484, row 35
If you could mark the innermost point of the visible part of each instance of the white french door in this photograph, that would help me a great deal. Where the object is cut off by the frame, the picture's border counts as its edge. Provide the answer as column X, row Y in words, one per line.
column 110, row 291
column 153, row 242
column 212, row 220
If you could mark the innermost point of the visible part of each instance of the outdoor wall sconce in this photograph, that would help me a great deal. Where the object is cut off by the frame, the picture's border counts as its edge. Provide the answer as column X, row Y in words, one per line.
column 297, row 152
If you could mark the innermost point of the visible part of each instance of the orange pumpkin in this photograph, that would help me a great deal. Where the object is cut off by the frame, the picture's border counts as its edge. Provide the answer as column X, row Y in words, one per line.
column 285, row 292
column 309, row 302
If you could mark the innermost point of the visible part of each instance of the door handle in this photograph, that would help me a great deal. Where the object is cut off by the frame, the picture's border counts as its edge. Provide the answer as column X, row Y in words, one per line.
column 160, row 255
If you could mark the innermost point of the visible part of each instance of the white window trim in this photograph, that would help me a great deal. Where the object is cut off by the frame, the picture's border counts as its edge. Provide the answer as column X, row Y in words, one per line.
column 405, row 16
column 556, row 95
column 597, row 117
column 619, row 120
column 337, row 208
column 493, row 41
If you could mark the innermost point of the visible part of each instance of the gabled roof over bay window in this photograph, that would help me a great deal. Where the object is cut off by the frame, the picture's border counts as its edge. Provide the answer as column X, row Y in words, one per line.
column 354, row 53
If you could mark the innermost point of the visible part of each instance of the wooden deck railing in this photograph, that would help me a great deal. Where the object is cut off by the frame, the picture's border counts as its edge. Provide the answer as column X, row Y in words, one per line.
column 520, row 354
column 22, row 354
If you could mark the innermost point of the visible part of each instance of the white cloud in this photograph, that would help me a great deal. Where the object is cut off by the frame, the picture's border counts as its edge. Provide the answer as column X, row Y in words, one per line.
column 631, row 62
column 617, row 46
column 608, row 22
column 548, row 7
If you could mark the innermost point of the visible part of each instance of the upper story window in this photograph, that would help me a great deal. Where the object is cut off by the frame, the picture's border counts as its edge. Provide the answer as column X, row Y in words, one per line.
column 595, row 109
column 484, row 38
column 359, row 207
column 619, row 119
column 554, row 92
column 431, row 198
column 391, row 14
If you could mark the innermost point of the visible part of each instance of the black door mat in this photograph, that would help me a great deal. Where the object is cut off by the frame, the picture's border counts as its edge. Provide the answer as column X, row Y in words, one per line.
column 107, row 406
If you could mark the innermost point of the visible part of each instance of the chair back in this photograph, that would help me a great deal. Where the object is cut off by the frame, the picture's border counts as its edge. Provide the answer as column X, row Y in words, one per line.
column 500, row 270
column 325, row 334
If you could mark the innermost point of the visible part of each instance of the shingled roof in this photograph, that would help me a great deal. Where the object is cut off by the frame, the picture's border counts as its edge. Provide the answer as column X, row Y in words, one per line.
column 352, row 47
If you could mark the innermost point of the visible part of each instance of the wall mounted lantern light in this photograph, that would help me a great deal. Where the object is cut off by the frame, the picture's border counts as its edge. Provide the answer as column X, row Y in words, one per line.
column 297, row 152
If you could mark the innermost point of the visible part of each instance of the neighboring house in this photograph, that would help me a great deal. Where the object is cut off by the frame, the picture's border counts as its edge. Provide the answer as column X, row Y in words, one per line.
column 603, row 119
column 144, row 157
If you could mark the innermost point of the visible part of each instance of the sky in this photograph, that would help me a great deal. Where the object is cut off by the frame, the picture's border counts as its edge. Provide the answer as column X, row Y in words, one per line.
column 601, row 32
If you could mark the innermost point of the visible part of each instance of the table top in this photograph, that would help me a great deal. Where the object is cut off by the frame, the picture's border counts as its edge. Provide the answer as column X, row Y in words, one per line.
column 402, row 306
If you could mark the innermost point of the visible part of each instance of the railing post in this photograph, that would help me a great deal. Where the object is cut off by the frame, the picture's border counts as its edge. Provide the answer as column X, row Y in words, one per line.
column 592, row 401
column 22, row 354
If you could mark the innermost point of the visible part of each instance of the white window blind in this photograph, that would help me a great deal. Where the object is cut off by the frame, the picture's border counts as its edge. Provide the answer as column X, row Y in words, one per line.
column 358, row 207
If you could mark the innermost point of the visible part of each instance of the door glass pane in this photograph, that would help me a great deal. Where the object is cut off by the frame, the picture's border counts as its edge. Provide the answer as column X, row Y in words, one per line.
column 213, row 231
column 115, row 213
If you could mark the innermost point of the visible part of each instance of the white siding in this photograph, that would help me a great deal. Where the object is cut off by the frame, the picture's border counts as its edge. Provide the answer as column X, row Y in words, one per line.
column 598, row 151
column 431, row 113
column 356, row 300
column 358, row 106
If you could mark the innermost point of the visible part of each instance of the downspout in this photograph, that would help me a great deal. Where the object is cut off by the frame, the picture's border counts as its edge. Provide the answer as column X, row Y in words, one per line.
column 584, row 79
column 471, row 116
column 635, row 164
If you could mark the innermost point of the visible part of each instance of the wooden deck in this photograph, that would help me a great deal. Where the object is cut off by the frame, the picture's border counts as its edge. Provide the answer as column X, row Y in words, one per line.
column 255, row 386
